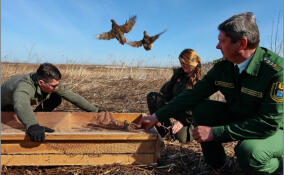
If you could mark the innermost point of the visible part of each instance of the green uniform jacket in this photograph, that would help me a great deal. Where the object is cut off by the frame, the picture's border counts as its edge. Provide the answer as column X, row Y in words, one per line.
column 255, row 96
column 176, row 85
column 22, row 91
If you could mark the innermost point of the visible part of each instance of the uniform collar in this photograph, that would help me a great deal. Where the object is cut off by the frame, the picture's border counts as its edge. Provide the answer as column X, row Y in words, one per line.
column 255, row 62
column 244, row 64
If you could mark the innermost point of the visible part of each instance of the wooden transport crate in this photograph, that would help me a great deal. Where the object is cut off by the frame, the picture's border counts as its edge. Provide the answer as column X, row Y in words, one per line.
column 73, row 143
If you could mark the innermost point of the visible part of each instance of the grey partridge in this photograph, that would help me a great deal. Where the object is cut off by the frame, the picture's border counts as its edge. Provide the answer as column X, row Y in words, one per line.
column 117, row 31
column 147, row 40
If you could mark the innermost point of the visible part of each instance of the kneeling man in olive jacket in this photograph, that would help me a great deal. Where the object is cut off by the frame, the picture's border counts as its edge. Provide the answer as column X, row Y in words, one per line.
column 42, row 89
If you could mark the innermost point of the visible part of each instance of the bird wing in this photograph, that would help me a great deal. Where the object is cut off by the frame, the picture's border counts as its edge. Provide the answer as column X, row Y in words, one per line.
column 125, row 28
column 135, row 43
column 106, row 36
column 153, row 38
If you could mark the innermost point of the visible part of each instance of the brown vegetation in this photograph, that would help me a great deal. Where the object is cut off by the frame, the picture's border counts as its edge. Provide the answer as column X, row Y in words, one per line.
column 122, row 89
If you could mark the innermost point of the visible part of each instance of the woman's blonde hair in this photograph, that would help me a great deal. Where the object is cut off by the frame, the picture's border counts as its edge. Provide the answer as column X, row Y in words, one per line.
column 190, row 57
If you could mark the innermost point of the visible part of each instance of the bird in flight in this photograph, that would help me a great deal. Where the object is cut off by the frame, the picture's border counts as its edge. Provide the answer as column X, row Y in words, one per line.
column 117, row 31
column 147, row 40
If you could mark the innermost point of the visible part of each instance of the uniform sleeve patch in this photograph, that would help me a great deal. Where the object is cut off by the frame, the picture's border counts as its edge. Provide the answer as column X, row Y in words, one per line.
column 61, row 87
column 276, row 92
column 251, row 92
column 224, row 84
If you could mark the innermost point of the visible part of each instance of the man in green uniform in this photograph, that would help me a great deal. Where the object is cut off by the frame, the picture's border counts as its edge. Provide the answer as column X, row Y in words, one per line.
column 251, row 79
column 43, row 89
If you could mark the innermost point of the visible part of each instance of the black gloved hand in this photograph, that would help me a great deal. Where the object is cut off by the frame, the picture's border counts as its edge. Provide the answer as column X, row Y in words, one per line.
column 37, row 132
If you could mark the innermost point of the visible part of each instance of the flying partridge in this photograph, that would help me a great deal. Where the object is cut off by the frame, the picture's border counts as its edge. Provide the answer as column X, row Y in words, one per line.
column 117, row 31
column 147, row 40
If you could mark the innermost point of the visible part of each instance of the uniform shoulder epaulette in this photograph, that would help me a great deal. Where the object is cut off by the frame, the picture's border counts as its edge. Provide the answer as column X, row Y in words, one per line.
column 272, row 64
column 218, row 60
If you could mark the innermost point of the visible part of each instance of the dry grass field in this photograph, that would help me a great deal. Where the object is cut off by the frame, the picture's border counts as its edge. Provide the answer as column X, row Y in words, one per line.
column 122, row 89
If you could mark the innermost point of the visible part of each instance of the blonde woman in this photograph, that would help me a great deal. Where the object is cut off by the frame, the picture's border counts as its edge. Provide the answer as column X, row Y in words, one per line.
column 183, row 78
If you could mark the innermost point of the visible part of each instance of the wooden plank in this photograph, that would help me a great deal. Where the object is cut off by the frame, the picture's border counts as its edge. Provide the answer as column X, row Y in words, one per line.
column 69, row 147
column 84, row 136
column 52, row 160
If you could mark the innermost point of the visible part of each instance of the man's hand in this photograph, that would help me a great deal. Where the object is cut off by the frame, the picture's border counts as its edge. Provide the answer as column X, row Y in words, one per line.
column 37, row 132
column 148, row 121
column 177, row 127
column 202, row 134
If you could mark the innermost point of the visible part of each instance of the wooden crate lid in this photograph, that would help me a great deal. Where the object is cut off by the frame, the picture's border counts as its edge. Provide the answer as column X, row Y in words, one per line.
column 73, row 126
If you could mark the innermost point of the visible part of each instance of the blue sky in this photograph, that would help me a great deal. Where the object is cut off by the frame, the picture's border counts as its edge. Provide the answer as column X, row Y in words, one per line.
column 63, row 31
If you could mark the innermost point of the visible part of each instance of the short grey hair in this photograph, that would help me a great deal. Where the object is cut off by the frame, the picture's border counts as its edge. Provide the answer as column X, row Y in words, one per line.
column 241, row 25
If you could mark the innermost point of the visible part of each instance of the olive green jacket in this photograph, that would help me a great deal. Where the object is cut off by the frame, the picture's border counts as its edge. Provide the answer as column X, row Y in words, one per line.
column 22, row 91
column 255, row 95
column 175, row 85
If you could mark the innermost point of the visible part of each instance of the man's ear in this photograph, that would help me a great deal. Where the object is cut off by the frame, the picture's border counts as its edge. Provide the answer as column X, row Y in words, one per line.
column 40, row 82
column 243, row 43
